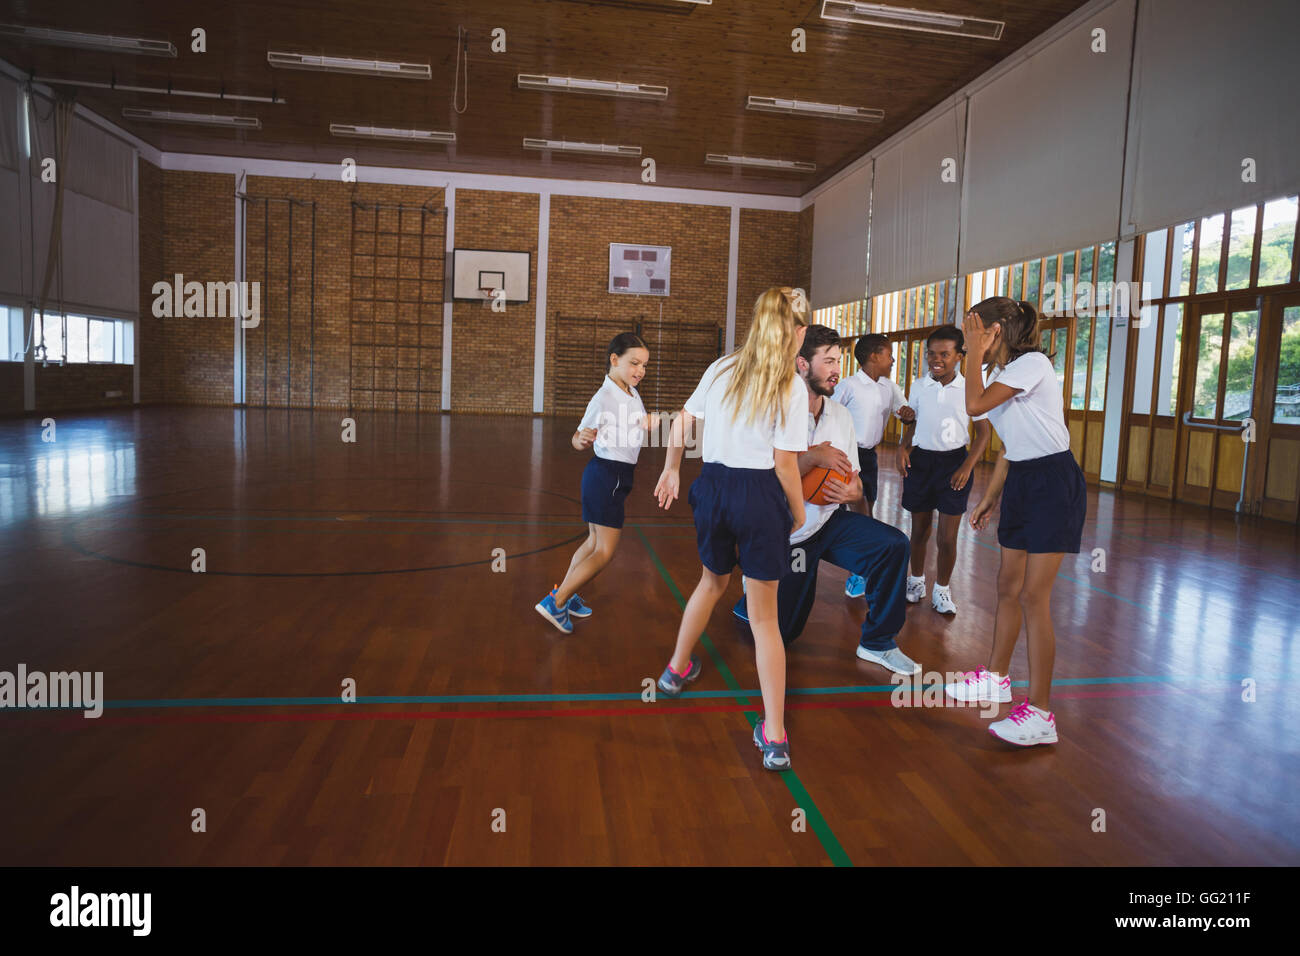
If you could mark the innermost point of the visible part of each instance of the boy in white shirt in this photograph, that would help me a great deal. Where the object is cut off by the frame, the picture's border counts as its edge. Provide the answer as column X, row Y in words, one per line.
column 935, row 463
column 871, row 396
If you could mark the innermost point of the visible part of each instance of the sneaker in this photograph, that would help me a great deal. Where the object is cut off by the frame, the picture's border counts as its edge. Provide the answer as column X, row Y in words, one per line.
column 855, row 586
column 915, row 589
column 671, row 682
column 741, row 610
column 558, row 616
column 941, row 601
column 576, row 608
column 980, row 684
column 892, row 659
column 1025, row 726
column 776, row 756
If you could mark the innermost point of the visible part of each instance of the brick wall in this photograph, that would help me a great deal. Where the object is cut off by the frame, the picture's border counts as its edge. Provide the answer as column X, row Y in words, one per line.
column 11, row 388
column 803, row 271
column 681, row 344
column 198, row 241
column 78, row 386
column 150, row 350
column 492, row 352
column 331, row 358
column 768, row 256
column 373, row 338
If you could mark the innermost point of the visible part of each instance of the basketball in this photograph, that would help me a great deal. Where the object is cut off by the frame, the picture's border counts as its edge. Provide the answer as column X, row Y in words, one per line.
column 814, row 484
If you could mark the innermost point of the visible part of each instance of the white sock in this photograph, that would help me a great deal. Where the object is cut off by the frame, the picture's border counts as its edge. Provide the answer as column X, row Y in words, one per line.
column 940, row 588
column 911, row 580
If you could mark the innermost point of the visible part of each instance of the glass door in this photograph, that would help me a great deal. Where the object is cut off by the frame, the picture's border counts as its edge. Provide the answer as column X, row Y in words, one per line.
column 1274, row 481
column 1217, row 402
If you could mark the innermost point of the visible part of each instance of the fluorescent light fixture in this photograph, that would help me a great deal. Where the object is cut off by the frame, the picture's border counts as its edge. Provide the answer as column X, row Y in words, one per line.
column 385, row 132
column 909, row 18
column 87, row 41
column 573, row 84
column 602, row 149
column 344, row 64
column 773, row 104
column 191, row 119
column 784, row 165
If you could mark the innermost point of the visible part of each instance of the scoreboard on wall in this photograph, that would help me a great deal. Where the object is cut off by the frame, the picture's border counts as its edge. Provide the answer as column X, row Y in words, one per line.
column 639, row 270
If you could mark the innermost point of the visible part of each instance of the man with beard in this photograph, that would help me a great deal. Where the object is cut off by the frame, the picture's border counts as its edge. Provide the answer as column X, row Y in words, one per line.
column 847, row 539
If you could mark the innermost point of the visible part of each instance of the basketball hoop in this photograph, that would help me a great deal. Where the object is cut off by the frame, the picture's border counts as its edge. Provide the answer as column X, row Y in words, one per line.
column 487, row 292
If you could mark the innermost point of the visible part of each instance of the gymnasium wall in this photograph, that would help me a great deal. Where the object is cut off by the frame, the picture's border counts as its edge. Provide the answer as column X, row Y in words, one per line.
column 11, row 388
column 769, row 255
column 198, row 241
column 306, row 360
column 492, row 352
column 150, row 354
column 681, row 330
column 187, row 226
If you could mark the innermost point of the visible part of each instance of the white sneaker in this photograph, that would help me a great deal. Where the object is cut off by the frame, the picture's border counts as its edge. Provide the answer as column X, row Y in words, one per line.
column 941, row 601
column 1025, row 726
column 915, row 589
column 982, row 685
column 892, row 659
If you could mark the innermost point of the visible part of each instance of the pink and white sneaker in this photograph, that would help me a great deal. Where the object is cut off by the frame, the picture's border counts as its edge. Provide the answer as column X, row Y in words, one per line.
column 1025, row 726
column 980, row 684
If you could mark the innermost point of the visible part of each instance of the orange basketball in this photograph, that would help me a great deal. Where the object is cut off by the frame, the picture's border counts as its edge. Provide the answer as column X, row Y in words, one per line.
column 814, row 483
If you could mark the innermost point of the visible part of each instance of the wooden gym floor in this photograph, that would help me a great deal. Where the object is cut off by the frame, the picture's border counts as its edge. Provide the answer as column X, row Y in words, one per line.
column 372, row 561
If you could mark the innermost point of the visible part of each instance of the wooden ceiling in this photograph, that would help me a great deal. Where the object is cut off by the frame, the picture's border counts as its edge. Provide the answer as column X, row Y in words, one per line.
column 711, row 57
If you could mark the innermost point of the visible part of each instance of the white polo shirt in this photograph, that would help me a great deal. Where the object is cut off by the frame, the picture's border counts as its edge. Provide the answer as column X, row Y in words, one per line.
column 836, row 427
column 941, row 420
column 1031, row 423
column 619, row 420
column 871, row 402
column 728, row 439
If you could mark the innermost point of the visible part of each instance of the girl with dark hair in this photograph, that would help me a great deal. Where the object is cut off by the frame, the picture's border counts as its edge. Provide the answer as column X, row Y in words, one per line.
column 614, row 426
column 1043, row 501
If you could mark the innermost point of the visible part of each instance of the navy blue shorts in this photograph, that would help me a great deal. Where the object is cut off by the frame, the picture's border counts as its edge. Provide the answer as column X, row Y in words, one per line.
column 1044, row 503
column 925, row 486
column 605, row 486
column 870, row 472
column 742, row 511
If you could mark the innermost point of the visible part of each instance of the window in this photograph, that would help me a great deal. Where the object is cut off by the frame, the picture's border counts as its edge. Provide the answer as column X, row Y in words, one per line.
column 1286, row 403
column 1082, row 343
column 1148, row 326
column 1171, row 355
column 1241, row 247
column 1100, row 350
column 1240, row 383
column 1031, row 282
column 80, row 339
column 1277, row 242
column 1211, row 251
column 1180, row 274
column 12, row 343
column 1205, row 402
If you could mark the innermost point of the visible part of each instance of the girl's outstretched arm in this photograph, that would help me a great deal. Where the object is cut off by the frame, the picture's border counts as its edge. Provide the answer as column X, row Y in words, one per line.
column 669, row 485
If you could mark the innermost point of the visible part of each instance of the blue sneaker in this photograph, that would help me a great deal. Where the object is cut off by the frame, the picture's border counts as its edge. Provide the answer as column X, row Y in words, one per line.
column 741, row 610
column 855, row 586
column 557, row 616
column 576, row 608
column 775, row 756
column 671, row 683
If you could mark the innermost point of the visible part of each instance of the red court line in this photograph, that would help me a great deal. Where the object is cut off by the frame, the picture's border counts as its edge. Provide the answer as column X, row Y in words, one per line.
column 637, row 709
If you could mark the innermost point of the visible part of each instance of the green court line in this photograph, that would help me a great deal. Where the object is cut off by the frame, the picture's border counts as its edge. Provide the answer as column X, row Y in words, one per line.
column 803, row 799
